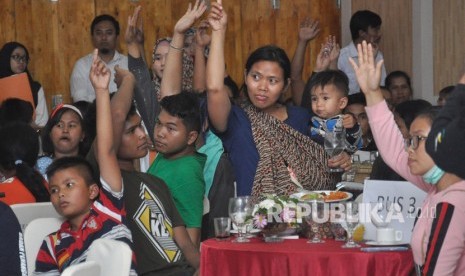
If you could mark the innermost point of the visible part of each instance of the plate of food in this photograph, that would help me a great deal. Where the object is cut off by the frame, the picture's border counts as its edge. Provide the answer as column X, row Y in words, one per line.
column 327, row 196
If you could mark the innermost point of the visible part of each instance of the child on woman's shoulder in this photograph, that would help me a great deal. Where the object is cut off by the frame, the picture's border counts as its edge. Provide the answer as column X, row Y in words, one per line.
column 329, row 92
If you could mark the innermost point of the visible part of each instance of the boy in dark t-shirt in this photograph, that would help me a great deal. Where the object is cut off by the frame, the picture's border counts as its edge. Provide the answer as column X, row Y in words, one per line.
column 161, row 243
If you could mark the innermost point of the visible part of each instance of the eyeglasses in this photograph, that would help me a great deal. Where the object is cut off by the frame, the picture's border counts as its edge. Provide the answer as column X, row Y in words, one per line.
column 20, row 59
column 413, row 142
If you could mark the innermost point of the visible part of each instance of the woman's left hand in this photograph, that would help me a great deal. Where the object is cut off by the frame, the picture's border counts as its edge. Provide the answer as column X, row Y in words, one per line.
column 343, row 160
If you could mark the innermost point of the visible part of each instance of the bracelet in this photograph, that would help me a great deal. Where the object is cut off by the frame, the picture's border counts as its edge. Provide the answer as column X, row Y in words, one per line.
column 176, row 48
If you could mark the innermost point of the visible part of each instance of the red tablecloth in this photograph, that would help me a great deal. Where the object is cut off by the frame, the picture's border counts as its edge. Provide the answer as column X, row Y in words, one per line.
column 297, row 257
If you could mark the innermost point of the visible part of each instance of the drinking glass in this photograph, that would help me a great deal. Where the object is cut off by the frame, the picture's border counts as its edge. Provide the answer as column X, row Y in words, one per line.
column 240, row 209
column 338, row 231
column 352, row 219
column 334, row 145
column 380, row 218
column 315, row 219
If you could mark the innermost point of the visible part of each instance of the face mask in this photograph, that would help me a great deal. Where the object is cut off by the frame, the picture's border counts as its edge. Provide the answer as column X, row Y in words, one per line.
column 433, row 175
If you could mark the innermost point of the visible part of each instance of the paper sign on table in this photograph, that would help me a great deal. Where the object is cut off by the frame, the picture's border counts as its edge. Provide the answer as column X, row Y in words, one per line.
column 408, row 197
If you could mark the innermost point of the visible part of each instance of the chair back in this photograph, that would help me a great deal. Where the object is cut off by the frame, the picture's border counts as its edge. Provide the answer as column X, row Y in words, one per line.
column 114, row 257
column 26, row 212
column 34, row 235
column 88, row 268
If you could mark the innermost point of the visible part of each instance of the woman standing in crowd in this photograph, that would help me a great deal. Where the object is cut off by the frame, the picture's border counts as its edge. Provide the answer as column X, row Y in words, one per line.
column 267, row 142
column 438, row 238
column 14, row 59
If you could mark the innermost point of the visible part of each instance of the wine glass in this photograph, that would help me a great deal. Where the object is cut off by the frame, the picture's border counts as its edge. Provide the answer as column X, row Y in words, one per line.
column 352, row 219
column 380, row 218
column 314, row 220
column 240, row 209
column 334, row 145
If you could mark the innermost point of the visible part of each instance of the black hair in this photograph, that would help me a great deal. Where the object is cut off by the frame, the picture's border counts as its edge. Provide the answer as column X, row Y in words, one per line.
column 232, row 85
column 185, row 106
column 77, row 162
column 409, row 110
column 16, row 110
column 447, row 91
column 19, row 147
column 83, row 106
column 397, row 74
column 104, row 17
column 5, row 66
column 269, row 53
column 361, row 20
column 47, row 144
column 429, row 113
column 357, row 98
column 334, row 77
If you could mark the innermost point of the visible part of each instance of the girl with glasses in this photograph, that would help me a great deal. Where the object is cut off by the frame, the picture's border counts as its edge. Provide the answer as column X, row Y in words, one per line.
column 438, row 238
column 14, row 58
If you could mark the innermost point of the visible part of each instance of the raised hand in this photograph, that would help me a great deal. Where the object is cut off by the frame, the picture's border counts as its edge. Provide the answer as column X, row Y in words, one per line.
column 99, row 73
column 322, row 59
column 309, row 29
column 217, row 18
column 334, row 48
column 121, row 74
column 367, row 72
column 191, row 15
column 135, row 30
column 202, row 38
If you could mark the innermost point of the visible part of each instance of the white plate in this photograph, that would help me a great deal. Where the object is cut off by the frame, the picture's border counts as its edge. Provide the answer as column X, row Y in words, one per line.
column 300, row 194
column 375, row 243
column 252, row 231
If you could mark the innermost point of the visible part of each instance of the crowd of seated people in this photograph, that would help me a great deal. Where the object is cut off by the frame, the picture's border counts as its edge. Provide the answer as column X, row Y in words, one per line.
column 213, row 140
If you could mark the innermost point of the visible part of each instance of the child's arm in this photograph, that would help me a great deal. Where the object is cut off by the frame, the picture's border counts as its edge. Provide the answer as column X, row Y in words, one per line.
column 219, row 105
column 121, row 103
column 353, row 133
column 202, row 39
column 188, row 249
column 144, row 92
column 134, row 35
column 172, row 74
column 107, row 162
column 308, row 30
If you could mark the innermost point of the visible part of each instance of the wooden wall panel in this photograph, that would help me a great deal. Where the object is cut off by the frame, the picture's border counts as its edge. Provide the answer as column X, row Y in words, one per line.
column 234, row 44
column 329, row 16
column 396, row 43
column 58, row 33
column 262, row 25
column 7, row 19
column 449, row 38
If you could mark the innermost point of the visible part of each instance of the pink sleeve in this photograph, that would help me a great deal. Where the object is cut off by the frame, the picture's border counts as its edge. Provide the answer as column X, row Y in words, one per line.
column 444, row 254
column 390, row 142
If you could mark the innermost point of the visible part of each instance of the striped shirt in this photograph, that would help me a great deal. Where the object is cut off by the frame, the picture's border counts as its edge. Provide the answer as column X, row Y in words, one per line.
column 65, row 247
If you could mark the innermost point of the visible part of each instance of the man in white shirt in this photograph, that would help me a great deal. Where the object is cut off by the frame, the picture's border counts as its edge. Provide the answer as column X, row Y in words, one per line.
column 364, row 25
column 104, row 31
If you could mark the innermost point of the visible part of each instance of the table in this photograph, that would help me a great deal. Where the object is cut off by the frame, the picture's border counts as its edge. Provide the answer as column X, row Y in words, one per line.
column 297, row 257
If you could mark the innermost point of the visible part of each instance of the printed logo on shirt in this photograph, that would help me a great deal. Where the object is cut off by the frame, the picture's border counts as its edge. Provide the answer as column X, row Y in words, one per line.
column 151, row 218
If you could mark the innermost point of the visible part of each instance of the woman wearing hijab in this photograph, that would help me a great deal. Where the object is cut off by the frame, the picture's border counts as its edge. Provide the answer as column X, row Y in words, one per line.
column 14, row 59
